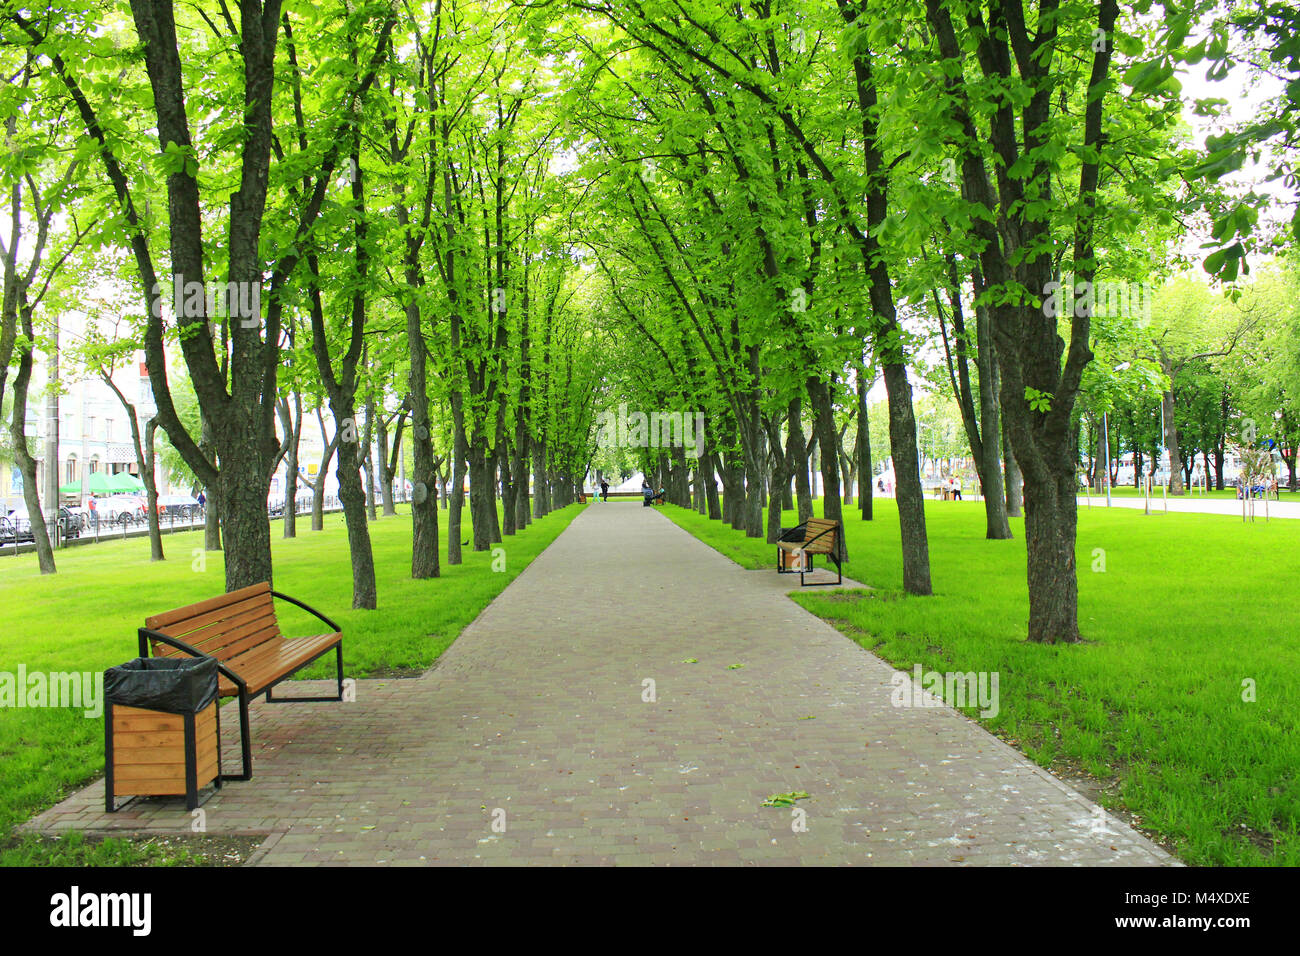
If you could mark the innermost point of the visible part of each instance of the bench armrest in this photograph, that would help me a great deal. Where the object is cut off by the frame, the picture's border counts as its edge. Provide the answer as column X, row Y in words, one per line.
column 309, row 609
column 147, row 635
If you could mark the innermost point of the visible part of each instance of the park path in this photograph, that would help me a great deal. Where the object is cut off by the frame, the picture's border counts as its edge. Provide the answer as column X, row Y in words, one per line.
column 535, row 719
column 1228, row 507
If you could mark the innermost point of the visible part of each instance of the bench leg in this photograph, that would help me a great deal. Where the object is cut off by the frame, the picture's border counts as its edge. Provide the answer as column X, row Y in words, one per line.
column 839, row 575
column 245, row 742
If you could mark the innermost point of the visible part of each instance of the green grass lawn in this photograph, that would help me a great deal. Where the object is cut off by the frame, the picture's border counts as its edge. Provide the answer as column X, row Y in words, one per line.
column 85, row 617
column 1151, row 707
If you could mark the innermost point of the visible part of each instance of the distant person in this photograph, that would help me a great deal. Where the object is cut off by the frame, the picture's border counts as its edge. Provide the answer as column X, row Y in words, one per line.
column 94, row 514
column 647, row 493
column 956, row 489
column 203, row 499
column 604, row 490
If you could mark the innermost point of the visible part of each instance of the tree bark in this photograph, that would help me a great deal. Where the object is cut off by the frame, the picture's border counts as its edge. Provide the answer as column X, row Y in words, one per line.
column 1173, row 452
column 827, row 441
column 18, row 432
column 866, row 480
column 318, row 486
column 292, row 423
column 1013, row 478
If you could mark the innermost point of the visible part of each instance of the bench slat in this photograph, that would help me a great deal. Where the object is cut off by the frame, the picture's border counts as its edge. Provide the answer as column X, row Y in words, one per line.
column 267, row 631
column 222, row 643
column 258, row 604
column 160, row 621
column 824, row 531
column 268, row 664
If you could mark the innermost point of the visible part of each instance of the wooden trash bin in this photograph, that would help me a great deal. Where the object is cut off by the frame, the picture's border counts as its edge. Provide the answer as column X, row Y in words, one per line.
column 151, row 753
column 155, row 753
column 792, row 563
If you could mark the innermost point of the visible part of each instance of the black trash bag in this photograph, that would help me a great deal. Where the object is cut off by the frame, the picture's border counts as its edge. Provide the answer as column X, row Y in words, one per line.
column 175, row 685
column 794, row 534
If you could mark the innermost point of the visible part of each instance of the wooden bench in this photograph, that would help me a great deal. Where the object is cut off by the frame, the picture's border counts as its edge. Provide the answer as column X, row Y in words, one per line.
column 240, row 630
column 820, row 536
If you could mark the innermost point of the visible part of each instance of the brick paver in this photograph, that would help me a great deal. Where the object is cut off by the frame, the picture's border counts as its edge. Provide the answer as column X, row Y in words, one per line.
column 535, row 718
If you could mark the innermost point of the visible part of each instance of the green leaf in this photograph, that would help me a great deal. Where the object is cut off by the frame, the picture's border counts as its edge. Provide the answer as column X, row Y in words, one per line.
column 785, row 799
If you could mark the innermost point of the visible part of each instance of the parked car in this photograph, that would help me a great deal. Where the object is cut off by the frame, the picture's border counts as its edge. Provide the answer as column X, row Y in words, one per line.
column 69, row 523
column 16, row 528
column 8, row 531
column 120, row 510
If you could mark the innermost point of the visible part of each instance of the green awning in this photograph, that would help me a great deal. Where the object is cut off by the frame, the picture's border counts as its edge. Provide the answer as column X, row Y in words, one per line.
column 125, row 481
column 96, row 484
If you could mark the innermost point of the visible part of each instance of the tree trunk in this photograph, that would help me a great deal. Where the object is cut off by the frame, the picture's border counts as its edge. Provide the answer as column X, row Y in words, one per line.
column 385, row 472
column 1014, row 480
column 490, row 495
column 814, row 465
column 714, row 506
column 735, row 489
column 907, row 481
column 212, row 506
column 827, row 441
column 457, row 493
column 368, row 462
column 480, row 498
column 26, row 463
column 352, row 496
column 541, row 495
column 1050, row 523
column 802, row 485
column 144, row 455
column 318, row 487
column 246, row 529
column 866, row 480
column 150, row 478
column 291, row 466
column 1174, row 453
column 508, row 489
column 424, row 473
column 997, row 527
column 848, row 470
column 774, row 503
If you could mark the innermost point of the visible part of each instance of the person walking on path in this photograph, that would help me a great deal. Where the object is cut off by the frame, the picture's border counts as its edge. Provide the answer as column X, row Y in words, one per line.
column 956, row 488
column 604, row 490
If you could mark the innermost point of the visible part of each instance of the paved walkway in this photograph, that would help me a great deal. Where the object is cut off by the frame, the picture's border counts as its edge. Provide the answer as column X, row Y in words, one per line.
column 535, row 719
column 1288, row 507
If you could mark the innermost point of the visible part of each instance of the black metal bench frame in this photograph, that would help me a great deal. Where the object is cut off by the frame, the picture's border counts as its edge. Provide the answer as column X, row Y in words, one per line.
column 806, row 566
column 245, row 737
